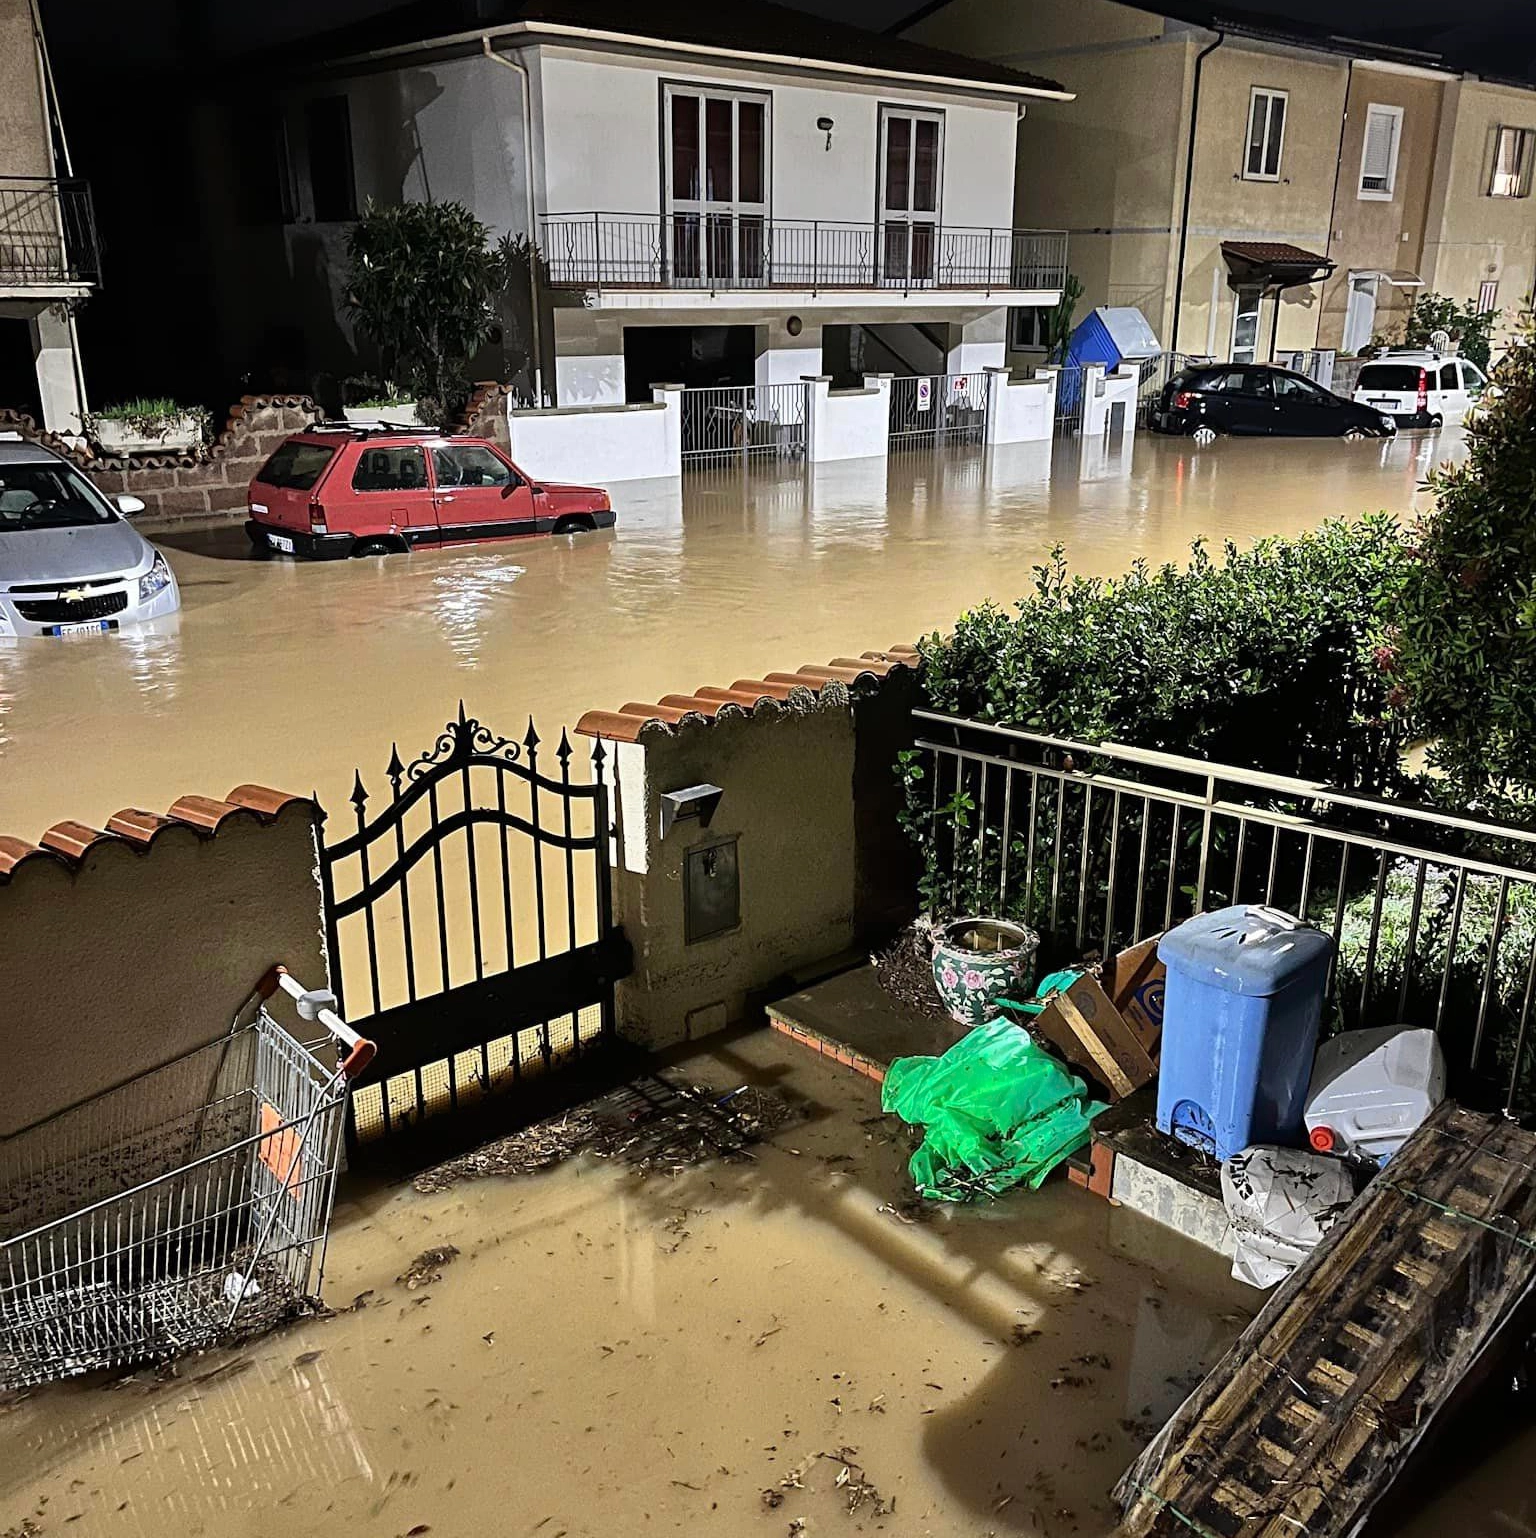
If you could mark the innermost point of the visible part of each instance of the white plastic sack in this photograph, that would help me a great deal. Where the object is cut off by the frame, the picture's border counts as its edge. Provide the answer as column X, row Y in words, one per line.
column 1280, row 1202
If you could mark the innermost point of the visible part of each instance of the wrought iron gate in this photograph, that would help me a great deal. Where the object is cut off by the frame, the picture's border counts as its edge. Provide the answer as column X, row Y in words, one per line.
column 727, row 425
column 928, row 410
column 469, row 923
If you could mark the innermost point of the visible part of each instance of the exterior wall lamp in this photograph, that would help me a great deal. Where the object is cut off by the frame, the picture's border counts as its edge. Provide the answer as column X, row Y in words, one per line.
column 826, row 125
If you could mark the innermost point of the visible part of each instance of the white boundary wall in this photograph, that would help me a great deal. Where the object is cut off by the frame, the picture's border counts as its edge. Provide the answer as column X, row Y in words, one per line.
column 1100, row 393
column 1020, row 411
column 848, row 424
column 588, row 444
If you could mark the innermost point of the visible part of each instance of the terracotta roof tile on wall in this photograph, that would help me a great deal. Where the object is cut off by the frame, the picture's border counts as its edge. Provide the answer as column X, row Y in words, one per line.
column 745, row 694
column 68, row 843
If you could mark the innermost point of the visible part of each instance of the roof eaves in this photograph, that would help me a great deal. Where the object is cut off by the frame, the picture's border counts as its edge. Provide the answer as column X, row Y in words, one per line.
column 1025, row 86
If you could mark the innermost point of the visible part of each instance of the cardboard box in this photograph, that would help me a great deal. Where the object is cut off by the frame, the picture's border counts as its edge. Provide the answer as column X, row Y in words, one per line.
column 1134, row 981
column 1109, row 1029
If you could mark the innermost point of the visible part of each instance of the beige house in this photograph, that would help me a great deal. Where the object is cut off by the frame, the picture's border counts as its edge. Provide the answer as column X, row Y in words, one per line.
column 48, row 251
column 1255, row 197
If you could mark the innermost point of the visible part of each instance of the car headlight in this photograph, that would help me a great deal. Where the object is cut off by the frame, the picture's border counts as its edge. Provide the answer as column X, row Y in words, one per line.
column 155, row 580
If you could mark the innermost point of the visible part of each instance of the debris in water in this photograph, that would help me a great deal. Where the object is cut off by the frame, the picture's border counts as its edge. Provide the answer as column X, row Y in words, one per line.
column 1023, row 1334
column 773, row 1499
column 304, row 1358
column 909, row 1211
column 877, row 1405
column 768, row 1333
column 658, row 1124
column 427, row 1267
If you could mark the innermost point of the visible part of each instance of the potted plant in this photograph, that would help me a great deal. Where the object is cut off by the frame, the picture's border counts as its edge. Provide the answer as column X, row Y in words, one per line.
column 378, row 401
column 151, row 426
column 978, row 961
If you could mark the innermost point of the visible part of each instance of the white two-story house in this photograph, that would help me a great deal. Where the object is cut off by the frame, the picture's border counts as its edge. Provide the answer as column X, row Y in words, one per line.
column 724, row 194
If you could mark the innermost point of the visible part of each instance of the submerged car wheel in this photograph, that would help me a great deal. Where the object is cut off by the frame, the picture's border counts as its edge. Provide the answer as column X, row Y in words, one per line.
column 1204, row 436
column 1353, row 434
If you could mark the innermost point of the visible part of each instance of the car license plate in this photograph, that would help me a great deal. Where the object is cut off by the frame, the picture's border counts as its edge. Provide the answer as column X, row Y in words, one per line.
column 1381, row 400
column 280, row 542
column 85, row 627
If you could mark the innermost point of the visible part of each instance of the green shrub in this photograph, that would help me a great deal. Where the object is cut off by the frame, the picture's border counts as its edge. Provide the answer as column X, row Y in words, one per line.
column 1464, row 665
column 422, row 285
column 1463, row 323
column 1265, row 659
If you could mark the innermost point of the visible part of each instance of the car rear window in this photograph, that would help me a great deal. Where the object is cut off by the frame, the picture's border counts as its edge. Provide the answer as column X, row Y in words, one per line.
column 296, row 466
column 1389, row 376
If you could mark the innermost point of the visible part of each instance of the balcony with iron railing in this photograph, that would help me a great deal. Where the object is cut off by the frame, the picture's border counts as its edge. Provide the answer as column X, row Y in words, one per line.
column 47, row 234
column 716, row 252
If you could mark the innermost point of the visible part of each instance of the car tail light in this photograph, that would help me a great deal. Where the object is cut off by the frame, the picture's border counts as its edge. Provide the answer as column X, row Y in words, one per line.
column 317, row 519
column 1183, row 400
column 1423, row 390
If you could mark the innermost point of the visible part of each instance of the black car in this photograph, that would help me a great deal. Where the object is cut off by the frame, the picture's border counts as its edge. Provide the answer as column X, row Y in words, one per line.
column 1258, row 398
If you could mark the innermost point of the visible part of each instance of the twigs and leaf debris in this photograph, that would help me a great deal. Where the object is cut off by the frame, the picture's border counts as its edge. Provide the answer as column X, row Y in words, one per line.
column 657, row 1124
column 857, row 1489
column 427, row 1267
column 905, row 969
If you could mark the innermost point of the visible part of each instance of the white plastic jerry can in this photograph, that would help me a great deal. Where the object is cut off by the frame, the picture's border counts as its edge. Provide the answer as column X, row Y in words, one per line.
column 1371, row 1089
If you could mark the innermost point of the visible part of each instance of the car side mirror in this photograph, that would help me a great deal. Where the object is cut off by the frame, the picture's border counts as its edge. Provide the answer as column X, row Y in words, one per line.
column 538, row 491
column 128, row 505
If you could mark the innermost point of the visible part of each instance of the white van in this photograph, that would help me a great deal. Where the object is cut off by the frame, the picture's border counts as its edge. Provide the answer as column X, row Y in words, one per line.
column 1420, row 389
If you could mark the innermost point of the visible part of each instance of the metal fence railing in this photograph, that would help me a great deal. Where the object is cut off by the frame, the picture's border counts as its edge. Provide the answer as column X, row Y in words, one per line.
column 47, row 232
column 1433, row 916
column 750, row 251
column 928, row 410
column 731, row 424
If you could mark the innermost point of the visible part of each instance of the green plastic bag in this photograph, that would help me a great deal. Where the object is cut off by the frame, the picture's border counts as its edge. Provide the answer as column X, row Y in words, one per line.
column 997, row 1111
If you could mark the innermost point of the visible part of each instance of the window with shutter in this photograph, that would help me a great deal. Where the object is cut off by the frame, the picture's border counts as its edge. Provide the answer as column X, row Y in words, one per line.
column 1378, row 158
column 1512, row 157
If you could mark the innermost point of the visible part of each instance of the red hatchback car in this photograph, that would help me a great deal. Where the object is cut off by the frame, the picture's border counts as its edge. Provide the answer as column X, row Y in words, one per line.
column 336, row 491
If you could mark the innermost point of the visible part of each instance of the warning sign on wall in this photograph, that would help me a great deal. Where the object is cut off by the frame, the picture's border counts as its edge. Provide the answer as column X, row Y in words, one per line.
column 924, row 394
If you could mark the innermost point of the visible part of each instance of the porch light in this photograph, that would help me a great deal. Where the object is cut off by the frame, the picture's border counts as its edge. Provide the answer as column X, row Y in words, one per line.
column 826, row 125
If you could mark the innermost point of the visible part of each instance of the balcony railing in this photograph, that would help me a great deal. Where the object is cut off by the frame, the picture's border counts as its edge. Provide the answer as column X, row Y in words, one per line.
column 748, row 251
column 47, row 233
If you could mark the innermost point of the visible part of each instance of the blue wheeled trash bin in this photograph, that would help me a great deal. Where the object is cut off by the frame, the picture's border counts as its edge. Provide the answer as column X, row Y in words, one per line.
column 1240, row 1018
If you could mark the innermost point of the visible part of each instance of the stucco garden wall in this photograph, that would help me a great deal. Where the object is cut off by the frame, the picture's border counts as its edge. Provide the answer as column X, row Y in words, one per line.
column 123, row 948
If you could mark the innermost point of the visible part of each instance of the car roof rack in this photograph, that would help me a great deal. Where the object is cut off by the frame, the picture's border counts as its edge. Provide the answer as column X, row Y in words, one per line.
column 376, row 430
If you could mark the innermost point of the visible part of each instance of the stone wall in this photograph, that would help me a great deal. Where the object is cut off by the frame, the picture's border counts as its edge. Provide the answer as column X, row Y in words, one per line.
column 211, row 481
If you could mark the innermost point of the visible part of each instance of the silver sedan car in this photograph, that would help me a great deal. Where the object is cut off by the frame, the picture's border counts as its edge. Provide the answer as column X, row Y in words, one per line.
column 68, row 561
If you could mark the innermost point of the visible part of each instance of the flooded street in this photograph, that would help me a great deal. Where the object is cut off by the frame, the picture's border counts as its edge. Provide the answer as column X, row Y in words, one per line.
column 293, row 675
column 615, row 1353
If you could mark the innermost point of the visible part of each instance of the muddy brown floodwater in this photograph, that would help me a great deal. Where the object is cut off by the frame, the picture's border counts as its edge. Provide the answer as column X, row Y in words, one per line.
column 293, row 675
column 615, row 1354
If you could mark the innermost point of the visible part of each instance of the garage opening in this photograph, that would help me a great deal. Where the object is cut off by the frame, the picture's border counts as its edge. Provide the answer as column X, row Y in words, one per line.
column 694, row 356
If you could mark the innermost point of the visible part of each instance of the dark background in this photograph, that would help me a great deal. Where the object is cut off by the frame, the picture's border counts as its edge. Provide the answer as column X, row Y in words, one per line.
column 129, row 75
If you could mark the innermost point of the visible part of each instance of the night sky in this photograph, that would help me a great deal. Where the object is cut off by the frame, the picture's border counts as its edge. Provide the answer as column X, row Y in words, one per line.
column 1490, row 37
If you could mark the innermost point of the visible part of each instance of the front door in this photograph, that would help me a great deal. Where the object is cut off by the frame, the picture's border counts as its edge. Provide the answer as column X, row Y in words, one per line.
column 717, row 187
column 1245, row 325
column 479, row 495
column 911, row 157
column 1360, row 312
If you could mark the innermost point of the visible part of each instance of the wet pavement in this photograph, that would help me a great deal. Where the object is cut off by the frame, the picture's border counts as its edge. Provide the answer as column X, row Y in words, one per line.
column 293, row 675
column 615, row 1353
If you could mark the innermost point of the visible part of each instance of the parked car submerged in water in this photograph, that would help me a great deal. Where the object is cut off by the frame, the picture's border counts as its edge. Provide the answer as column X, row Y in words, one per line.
column 69, row 563
column 1260, row 399
column 1420, row 389
column 340, row 490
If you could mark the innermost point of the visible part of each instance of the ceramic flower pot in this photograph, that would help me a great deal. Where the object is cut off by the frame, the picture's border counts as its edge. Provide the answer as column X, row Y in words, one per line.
column 976, row 962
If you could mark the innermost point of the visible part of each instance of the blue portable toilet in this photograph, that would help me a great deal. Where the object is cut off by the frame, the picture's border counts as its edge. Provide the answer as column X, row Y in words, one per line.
column 1111, row 335
column 1241, row 1011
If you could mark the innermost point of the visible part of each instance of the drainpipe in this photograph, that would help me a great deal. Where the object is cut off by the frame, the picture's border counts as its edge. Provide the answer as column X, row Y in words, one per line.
column 1333, row 206
column 519, row 68
column 1189, row 171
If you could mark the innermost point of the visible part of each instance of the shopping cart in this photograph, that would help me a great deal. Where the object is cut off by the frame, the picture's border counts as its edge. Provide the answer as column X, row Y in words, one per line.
column 161, row 1215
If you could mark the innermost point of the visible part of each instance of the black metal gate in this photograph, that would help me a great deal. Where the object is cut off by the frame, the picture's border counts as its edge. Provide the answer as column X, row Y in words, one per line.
column 469, row 924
